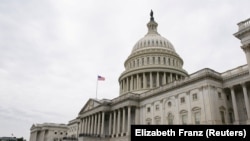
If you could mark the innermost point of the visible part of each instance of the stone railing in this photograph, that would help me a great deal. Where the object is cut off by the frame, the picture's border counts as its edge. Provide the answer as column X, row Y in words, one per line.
column 235, row 72
column 125, row 96
column 70, row 139
column 186, row 80
column 244, row 24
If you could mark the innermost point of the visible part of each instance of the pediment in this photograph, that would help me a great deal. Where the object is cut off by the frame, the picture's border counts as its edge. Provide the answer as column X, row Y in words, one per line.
column 32, row 127
column 90, row 104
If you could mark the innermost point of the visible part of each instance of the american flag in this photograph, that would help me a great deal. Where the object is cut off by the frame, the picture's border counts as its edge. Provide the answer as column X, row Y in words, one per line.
column 100, row 78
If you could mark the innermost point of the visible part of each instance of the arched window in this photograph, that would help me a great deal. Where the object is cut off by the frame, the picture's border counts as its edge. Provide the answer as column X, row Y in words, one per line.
column 169, row 104
column 170, row 118
column 184, row 117
column 157, row 120
column 196, row 115
column 148, row 121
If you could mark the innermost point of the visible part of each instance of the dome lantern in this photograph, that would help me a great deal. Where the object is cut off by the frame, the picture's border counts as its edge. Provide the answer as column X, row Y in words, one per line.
column 152, row 25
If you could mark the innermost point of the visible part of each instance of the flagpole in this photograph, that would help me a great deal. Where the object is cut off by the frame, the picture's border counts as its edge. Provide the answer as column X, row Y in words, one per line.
column 96, row 88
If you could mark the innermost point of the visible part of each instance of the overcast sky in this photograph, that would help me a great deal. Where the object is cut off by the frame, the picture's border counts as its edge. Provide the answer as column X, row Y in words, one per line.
column 51, row 51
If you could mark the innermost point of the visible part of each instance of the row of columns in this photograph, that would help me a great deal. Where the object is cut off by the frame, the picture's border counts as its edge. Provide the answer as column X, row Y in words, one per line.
column 235, row 108
column 93, row 124
column 147, row 80
column 118, row 123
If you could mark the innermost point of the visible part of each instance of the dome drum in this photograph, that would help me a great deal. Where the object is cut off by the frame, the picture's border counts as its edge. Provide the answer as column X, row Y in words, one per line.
column 144, row 81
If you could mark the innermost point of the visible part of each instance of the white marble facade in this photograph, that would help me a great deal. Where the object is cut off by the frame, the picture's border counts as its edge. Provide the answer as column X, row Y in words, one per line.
column 48, row 132
column 155, row 89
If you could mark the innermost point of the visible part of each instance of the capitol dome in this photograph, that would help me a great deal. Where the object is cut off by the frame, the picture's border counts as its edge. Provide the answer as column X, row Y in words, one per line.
column 153, row 62
column 153, row 40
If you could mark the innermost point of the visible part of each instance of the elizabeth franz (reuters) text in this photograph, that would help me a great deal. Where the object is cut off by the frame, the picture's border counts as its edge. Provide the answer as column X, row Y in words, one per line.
column 181, row 132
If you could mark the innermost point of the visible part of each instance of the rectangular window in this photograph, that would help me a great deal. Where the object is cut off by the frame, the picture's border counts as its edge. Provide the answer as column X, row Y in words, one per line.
column 195, row 97
column 148, row 109
column 157, row 107
column 182, row 100
column 219, row 94
column 222, row 117
column 228, row 97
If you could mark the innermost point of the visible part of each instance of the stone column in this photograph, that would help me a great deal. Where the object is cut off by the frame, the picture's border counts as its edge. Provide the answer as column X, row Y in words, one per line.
column 123, row 120
column 144, row 81
column 127, row 84
column 137, row 82
column 110, row 123
column 114, row 123
column 171, row 78
column 80, row 126
column 236, row 114
column 157, row 79
column 88, row 125
column 246, row 101
column 123, row 89
column 99, row 124
column 84, row 124
column 189, row 108
column 103, row 121
column 129, row 121
column 92, row 125
column 151, row 80
column 34, row 135
column 120, row 86
column 131, row 83
column 42, row 134
column 164, row 78
column 118, row 123
column 95, row 124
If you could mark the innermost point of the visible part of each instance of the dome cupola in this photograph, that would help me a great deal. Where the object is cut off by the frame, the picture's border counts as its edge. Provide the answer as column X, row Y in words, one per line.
column 152, row 63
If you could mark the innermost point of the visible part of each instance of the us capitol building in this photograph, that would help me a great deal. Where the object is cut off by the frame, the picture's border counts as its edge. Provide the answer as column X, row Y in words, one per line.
column 155, row 89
